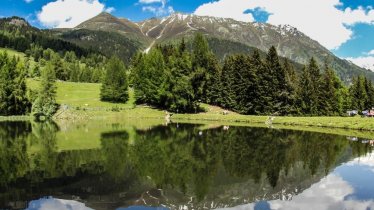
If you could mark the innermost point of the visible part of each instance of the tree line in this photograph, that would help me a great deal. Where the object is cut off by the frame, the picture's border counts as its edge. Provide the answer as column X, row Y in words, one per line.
column 174, row 78
column 17, row 34
column 180, row 77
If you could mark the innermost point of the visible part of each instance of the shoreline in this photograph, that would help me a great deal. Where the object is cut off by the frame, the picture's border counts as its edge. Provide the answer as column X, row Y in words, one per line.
column 348, row 126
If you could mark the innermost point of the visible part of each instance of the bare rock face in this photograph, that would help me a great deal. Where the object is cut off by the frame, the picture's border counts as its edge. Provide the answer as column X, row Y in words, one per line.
column 18, row 22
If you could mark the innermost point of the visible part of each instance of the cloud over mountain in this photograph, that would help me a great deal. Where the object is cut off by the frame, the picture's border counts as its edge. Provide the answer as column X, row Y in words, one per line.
column 69, row 13
column 320, row 19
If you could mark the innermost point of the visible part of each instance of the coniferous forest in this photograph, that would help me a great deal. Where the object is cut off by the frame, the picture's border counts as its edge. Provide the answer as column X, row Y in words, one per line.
column 179, row 77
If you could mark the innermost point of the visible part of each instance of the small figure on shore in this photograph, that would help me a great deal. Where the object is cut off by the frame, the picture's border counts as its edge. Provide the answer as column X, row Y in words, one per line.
column 167, row 117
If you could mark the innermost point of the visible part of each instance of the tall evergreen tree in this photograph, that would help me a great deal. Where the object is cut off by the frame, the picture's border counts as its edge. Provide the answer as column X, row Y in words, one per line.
column 228, row 97
column 291, row 87
column 115, row 85
column 261, row 99
column 358, row 94
column 45, row 104
column 13, row 97
column 206, row 71
column 330, row 101
column 309, row 92
column 369, row 88
column 279, row 87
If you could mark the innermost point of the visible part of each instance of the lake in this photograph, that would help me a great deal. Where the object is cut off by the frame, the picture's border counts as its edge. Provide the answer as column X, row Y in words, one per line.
column 145, row 165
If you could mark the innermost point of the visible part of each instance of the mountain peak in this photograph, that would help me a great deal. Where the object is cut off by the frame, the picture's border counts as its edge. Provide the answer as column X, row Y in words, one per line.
column 17, row 21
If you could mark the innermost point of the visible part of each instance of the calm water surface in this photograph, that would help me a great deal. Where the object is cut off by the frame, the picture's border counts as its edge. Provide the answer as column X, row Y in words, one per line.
column 99, row 165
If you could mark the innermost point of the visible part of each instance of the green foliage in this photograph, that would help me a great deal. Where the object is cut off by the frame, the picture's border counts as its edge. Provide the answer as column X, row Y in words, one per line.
column 115, row 85
column 13, row 91
column 21, row 37
column 162, row 78
column 109, row 43
column 45, row 104
column 361, row 94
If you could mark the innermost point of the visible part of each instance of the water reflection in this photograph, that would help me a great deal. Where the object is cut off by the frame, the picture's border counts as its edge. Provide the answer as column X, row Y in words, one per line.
column 349, row 186
column 53, row 203
column 182, row 166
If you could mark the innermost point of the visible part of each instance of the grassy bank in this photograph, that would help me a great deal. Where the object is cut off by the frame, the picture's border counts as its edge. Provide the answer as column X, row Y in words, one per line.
column 83, row 100
column 356, row 123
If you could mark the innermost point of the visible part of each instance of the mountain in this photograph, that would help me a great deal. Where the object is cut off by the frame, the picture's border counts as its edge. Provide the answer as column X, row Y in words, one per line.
column 111, row 35
column 234, row 35
column 18, row 34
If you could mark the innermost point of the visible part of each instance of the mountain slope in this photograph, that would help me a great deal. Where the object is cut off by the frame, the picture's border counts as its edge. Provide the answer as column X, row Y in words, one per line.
column 16, row 33
column 238, row 36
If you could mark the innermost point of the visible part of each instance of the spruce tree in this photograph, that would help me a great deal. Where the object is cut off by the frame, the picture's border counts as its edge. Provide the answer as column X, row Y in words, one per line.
column 206, row 71
column 260, row 99
column 13, row 97
column 280, row 87
column 358, row 94
column 291, row 87
column 310, row 89
column 115, row 85
column 228, row 97
column 305, row 94
column 45, row 104
column 330, row 103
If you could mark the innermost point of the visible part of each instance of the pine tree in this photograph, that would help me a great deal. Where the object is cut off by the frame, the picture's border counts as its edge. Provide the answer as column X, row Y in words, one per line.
column 292, row 87
column 261, row 99
column 206, row 77
column 330, row 103
column 370, row 93
column 228, row 97
column 115, row 85
column 45, row 104
column 358, row 94
column 310, row 90
column 13, row 97
column 280, row 92
column 305, row 93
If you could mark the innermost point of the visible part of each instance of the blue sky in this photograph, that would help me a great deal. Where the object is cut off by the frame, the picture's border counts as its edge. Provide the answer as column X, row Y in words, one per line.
column 346, row 27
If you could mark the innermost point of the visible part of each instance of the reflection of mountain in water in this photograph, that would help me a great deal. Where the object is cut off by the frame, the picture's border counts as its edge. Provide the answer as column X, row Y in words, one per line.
column 173, row 166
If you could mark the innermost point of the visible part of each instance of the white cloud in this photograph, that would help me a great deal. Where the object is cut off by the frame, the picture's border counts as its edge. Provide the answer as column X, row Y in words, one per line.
column 319, row 19
column 158, row 10
column 163, row 2
column 366, row 61
column 69, row 13
column 28, row 1
column 370, row 52
column 329, row 193
column 110, row 9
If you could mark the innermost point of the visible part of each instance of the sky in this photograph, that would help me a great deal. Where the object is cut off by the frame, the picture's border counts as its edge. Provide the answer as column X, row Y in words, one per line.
column 346, row 27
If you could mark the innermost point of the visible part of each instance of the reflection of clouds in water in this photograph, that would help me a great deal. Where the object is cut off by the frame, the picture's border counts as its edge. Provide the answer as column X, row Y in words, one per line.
column 329, row 193
column 332, row 192
column 56, row 204
column 367, row 161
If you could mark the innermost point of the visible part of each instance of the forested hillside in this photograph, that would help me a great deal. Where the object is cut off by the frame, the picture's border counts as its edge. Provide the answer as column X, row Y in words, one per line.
column 174, row 78
column 176, row 75
column 234, row 37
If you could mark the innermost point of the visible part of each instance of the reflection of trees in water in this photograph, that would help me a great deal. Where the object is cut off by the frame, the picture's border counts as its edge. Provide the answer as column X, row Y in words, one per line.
column 175, row 156
column 115, row 154
column 13, row 151
column 180, row 157
column 46, row 159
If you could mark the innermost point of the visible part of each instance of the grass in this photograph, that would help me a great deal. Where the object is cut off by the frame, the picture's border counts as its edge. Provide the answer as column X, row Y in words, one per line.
column 84, row 98
column 19, row 55
column 12, row 53
column 357, row 123
column 83, row 95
